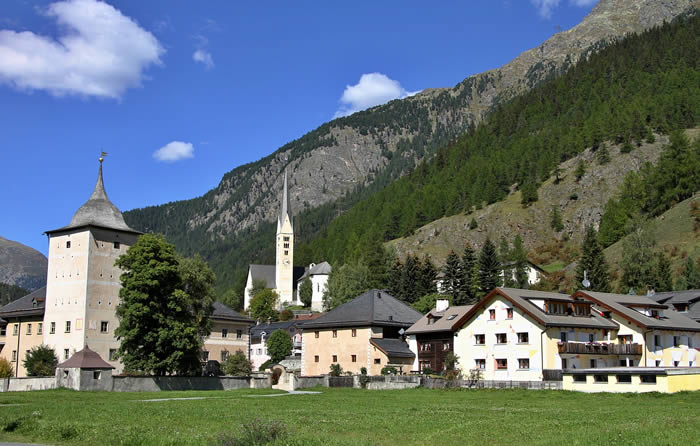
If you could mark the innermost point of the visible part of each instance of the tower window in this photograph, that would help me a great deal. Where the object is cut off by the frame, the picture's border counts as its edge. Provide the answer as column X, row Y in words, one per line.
column 117, row 245
column 68, row 244
column 286, row 239
column 286, row 252
column 286, row 246
column 104, row 327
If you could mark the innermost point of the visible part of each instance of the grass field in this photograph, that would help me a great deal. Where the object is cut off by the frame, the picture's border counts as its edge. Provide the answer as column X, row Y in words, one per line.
column 356, row 417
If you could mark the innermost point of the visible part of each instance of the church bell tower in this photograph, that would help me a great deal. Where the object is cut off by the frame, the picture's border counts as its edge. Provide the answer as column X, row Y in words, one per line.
column 284, row 262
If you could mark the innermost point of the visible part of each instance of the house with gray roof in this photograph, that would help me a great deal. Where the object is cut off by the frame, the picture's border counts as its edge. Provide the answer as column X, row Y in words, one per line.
column 22, row 328
column 366, row 332
column 318, row 275
column 686, row 302
column 431, row 338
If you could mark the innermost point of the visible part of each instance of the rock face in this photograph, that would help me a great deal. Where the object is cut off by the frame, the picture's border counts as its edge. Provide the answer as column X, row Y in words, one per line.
column 388, row 140
column 21, row 265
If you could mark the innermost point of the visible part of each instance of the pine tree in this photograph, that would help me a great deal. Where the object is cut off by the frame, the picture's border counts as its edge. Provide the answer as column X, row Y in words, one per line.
column 468, row 286
column 428, row 278
column 580, row 170
column 473, row 224
column 663, row 280
column 520, row 264
column 556, row 222
column 506, row 264
column 602, row 155
column 452, row 273
column 409, row 279
column 592, row 262
column 396, row 279
column 638, row 261
column 489, row 268
column 690, row 279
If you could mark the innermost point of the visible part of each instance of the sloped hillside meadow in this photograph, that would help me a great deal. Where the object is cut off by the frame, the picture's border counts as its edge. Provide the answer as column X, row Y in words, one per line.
column 352, row 417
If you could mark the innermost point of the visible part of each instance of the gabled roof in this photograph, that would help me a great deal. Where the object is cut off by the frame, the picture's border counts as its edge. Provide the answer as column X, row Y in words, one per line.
column 98, row 211
column 620, row 304
column 223, row 312
column 437, row 321
column 268, row 328
column 522, row 300
column 30, row 305
column 85, row 359
column 318, row 269
column 373, row 308
column 393, row 348
column 676, row 297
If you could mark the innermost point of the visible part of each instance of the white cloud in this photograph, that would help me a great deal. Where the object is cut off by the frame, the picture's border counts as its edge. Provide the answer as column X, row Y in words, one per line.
column 100, row 52
column 372, row 89
column 545, row 7
column 174, row 151
column 203, row 57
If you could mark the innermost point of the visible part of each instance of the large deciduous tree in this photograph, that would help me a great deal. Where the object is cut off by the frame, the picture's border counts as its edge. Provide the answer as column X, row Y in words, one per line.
column 164, row 309
column 306, row 291
column 279, row 345
column 344, row 284
column 40, row 361
column 263, row 306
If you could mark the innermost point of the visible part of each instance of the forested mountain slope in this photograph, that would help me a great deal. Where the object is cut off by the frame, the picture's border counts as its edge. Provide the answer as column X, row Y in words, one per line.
column 349, row 159
column 644, row 85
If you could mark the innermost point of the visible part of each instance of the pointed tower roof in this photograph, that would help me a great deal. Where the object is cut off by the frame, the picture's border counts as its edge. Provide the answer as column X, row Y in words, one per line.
column 98, row 211
column 285, row 208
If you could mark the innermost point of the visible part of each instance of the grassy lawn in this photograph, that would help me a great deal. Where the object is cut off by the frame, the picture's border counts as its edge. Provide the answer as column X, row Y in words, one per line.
column 554, row 267
column 350, row 416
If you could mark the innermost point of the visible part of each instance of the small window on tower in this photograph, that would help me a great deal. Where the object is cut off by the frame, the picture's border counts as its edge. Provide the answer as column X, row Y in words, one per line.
column 117, row 245
column 286, row 252
column 286, row 239
column 68, row 244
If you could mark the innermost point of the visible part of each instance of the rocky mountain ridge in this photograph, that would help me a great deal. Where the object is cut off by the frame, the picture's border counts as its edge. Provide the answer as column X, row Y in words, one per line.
column 352, row 152
column 21, row 265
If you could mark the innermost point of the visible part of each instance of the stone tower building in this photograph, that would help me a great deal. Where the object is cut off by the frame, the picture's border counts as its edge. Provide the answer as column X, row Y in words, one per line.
column 82, row 289
column 284, row 260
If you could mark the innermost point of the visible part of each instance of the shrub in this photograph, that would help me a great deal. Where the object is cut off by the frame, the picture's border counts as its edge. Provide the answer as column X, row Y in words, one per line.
column 266, row 364
column 279, row 345
column 286, row 314
column 256, row 432
column 40, row 361
column 573, row 197
column 6, row 370
column 389, row 370
column 237, row 365
column 427, row 371
column 212, row 368
column 336, row 370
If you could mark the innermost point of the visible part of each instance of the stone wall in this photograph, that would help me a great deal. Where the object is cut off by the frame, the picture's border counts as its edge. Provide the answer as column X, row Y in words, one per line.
column 158, row 383
column 25, row 384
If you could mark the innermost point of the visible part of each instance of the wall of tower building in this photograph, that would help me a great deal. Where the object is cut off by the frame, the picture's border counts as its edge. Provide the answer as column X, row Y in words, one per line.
column 284, row 262
column 83, row 291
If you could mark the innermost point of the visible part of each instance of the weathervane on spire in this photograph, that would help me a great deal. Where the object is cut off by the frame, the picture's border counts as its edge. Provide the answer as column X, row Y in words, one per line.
column 102, row 157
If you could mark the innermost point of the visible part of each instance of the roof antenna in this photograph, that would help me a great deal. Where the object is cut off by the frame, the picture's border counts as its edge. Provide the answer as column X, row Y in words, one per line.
column 586, row 283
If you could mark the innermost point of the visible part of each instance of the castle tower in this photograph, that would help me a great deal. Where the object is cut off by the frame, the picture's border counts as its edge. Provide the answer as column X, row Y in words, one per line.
column 82, row 287
column 284, row 261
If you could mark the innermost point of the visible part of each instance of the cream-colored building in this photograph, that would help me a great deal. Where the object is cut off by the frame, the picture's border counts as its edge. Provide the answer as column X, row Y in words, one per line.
column 525, row 335
column 22, row 328
column 82, row 286
column 365, row 332
column 318, row 275
column 230, row 333
column 633, row 379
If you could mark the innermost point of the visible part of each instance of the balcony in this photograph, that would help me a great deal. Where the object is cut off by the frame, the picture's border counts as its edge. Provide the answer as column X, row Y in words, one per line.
column 594, row 348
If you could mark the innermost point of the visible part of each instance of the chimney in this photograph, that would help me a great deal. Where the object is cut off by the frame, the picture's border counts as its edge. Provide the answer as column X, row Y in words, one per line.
column 441, row 305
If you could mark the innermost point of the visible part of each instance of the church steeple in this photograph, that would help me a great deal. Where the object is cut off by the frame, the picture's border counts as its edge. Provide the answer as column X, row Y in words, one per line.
column 284, row 264
column 285, row 208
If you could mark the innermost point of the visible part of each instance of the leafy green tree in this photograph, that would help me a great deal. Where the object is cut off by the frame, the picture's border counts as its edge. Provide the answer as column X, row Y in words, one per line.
column 468, row 282
column 237, row 364
column 279, row 345
column 163, row 308
column 690, row 279
column 258, row 286
column 336, row 370
column 592, row 263
column 41, row 360
column 344, row 284
column 489, row 268
column 427, row 302
column 580, row 170
column 6, row 369
column 286, row 315
column 306, row 291
column 556, row 222
column 520, row 263
column 452, row 276
column 263, row 306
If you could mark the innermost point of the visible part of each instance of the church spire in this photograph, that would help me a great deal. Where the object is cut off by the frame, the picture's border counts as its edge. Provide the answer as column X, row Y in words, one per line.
column 285, row 208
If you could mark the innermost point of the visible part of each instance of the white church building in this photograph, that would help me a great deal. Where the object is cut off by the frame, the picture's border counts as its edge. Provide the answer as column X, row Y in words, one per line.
column 283, row 277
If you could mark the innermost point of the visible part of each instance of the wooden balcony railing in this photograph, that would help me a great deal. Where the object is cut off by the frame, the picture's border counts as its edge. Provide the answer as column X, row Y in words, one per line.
column 583, row 348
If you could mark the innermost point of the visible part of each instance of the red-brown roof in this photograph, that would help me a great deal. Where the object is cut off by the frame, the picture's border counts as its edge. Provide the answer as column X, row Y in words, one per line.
column 85, row 359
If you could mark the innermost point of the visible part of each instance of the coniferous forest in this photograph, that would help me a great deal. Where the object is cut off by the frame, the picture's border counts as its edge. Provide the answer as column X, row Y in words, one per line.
column 623, row 93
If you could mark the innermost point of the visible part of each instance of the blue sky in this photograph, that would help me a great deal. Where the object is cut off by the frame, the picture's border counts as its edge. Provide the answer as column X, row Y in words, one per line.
column 180, row 92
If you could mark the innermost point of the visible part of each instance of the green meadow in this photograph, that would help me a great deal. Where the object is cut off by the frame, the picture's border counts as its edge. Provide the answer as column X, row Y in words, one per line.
column 353, row 417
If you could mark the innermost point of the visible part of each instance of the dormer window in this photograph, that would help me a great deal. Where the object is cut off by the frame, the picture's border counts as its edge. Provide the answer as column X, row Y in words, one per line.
column 557, row 308
column 582, row 309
